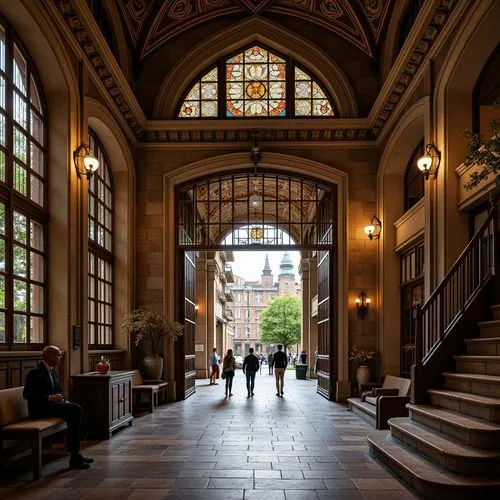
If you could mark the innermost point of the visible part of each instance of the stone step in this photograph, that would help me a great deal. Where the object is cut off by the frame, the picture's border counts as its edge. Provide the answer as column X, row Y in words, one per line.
column 469, row 430
column 427, row 478
column 488, row 329
column 484, row 365
column 495, row 310
column 484, row 385
column 444, row 450
column 473, row 405
column 483, row 347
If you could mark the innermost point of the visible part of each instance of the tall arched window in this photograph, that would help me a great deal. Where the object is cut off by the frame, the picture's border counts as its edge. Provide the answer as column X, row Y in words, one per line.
column 23, row 199
column 100, row 262
column 414, row 180
column 486, row 96
column 255, row 82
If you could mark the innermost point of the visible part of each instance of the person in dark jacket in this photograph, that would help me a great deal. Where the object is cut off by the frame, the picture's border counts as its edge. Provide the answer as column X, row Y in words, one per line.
column 279, row 362
column 250, row 368
column 270, row 363
column 46, row 399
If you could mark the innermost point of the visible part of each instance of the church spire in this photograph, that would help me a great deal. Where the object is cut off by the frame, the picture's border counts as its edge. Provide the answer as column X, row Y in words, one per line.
column 267, row 268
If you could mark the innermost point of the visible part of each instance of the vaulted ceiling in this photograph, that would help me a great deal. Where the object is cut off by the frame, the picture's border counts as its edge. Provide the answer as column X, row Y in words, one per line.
column 152, row 24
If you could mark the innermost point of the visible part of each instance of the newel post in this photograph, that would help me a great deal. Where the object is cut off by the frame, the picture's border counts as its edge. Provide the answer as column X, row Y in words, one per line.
column 417, row 370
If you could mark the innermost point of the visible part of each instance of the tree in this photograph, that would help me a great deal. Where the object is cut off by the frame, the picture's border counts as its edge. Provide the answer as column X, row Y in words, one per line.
column 484, row 153
column 280, row 321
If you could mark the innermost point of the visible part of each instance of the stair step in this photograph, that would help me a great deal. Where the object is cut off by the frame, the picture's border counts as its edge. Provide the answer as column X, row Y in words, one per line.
column 474, row 383
column 488, row 329
column 469, row 430
column 473, row 405
column 483, row 347
column 495, row 310
column 486, row 365
column 446, row 451
column 427, row 478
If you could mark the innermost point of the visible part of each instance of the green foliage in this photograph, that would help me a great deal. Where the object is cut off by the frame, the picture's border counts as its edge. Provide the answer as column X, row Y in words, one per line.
column 280, row 321
column 150, row 329
column 361, row 354
column 484, row 153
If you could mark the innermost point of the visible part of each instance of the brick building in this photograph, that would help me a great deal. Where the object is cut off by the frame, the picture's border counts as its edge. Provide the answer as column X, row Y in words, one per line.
column 252, row 297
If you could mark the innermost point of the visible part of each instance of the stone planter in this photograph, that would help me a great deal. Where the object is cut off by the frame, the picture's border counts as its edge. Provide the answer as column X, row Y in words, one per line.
column 153, row 366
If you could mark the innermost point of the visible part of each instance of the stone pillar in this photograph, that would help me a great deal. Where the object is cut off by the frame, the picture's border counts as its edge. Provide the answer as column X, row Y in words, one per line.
column 313, row 322
column 306, row 307
column 201, row 362
column 211, row 302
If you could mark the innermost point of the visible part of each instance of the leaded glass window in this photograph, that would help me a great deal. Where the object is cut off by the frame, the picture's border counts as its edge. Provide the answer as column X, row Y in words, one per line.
column 256, row 82
column 23, row 215
column 100, row 257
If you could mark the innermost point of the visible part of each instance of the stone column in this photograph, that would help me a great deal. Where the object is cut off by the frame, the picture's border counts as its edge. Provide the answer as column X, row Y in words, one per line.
column 201, row 362
column 313, row 322
column 306, row 307
column 211, row 302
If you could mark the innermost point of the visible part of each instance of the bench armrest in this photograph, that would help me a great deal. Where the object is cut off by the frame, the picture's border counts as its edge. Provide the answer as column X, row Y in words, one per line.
column 154, row 382
column 369, row 386
column 387, row 392
column 390, row 407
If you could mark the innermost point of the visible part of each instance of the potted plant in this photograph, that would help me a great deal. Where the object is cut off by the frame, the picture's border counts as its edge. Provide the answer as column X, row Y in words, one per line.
column 150, row 330
column 360, row 355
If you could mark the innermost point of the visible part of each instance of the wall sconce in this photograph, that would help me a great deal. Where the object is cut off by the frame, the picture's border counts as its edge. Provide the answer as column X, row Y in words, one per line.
column 428, row 163
column 85, row 162
column 374, row 228
column 196, row 308
column 362, row 305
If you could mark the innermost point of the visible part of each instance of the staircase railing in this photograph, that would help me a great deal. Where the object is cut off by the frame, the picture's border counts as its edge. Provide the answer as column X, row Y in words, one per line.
column 453, row 297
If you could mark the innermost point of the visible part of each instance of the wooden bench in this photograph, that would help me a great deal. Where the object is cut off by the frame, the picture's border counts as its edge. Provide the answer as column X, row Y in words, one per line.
column 147, row 394
column 380, row 402
column 16, row 424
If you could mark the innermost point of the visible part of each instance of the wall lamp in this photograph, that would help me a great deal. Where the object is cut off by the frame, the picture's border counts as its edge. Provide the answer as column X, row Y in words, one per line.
column 196, row 308
column 374, row 228
column 428, row 163
column 362, row 305
column 85, row 162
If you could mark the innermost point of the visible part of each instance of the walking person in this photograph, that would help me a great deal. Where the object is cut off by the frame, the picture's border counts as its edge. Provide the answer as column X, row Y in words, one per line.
column 228, row 367
column 214, row 363
column 270, row 363
column 280, row 362
column 250, row 368
column 316, row 356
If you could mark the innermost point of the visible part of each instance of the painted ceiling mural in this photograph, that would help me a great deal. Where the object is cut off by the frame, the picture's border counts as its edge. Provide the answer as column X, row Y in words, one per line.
column 153, row 23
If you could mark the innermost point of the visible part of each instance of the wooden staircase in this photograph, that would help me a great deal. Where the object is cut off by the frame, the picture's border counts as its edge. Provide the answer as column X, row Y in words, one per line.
column 449, row 446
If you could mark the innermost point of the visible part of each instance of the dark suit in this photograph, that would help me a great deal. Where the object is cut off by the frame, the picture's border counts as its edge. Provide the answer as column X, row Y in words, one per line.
column 37, row 389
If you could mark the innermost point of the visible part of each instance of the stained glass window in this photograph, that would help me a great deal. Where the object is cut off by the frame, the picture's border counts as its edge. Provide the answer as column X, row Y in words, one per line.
column 201, row 100
column 253, row 83
column 310, row 99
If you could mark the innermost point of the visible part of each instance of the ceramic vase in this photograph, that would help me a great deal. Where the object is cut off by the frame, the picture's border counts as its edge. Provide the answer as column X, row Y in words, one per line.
column 103, row 366
column 363, row 374
column 153, row 366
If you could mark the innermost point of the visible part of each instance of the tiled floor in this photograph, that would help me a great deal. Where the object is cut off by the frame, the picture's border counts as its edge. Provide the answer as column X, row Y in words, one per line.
column 299, row 447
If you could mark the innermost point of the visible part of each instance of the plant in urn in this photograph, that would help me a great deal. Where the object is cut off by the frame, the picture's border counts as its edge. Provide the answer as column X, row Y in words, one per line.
column 103, row 366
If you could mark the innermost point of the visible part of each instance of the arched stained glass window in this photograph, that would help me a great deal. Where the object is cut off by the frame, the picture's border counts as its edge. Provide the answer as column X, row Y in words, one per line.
column 100, row 253
column 256, row 82
column 23, row 200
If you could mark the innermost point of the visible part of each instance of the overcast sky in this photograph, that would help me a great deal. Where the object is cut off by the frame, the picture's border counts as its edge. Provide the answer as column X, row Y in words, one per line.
column 249, row 264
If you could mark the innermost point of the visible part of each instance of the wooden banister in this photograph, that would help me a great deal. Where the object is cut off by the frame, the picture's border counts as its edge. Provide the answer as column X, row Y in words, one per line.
column 436, row 320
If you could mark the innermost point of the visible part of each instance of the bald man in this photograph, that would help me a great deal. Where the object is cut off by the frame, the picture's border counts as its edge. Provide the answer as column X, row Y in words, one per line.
column 46, row 399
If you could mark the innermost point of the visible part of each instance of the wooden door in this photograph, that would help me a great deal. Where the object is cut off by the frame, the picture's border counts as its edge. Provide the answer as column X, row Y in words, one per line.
column 185, row 354
column 327, row 337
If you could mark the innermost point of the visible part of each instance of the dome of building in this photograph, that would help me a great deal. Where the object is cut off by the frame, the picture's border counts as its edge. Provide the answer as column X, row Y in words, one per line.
column 286, row 266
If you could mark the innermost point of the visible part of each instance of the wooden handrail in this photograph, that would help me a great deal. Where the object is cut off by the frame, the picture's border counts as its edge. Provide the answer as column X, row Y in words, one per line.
column 452, row 296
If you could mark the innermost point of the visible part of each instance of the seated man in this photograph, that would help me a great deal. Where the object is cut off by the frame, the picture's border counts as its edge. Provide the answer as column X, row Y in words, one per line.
column 45, row 399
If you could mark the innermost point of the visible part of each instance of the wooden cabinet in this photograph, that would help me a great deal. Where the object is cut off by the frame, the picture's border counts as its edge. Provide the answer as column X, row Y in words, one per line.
column 105, row 399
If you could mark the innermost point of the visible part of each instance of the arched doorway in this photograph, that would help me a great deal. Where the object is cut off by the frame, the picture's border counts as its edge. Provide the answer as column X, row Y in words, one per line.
column 264, row 210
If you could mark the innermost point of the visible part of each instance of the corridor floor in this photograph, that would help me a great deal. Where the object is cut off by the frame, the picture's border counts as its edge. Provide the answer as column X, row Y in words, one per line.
column 299, row 447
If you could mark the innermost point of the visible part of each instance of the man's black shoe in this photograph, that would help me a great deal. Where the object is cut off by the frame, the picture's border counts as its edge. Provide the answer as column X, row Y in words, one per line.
column 282, row 393
column 85, row 459
column 252, row 393
column 78, row 464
